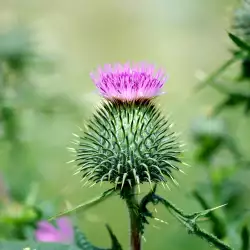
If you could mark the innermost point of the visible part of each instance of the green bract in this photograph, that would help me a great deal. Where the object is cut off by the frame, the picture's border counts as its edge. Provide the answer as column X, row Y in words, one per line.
column 128, row 144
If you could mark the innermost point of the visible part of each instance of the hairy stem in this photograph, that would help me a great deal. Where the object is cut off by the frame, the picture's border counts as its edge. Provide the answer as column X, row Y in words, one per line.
column 133, row 208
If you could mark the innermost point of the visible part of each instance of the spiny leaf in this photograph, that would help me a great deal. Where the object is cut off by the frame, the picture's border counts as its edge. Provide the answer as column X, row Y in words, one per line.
column 188, row 220
column 84, row 244
column 239, row 42
column 218, row 226
column 115, row 243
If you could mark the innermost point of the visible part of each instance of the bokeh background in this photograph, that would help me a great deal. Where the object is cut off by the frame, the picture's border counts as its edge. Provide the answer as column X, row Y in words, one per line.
column 52, row 94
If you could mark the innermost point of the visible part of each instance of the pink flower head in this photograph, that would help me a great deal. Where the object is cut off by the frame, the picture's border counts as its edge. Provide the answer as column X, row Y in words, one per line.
column 129, row 83
column 63, row 233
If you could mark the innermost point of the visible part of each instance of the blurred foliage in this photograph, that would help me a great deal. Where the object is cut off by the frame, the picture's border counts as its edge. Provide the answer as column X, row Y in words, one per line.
column 218, row 150
column 18, row 95
column 18, row 58
column 242, row 20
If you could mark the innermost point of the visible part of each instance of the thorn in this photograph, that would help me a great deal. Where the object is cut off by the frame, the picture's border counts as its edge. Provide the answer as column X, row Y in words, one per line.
column 119, row 168
column 162, row 183
column 134, row 173
column 123, row 179
column 75, row 142
column 212, row 209
column 78, row 168
column 149, row 179
column 162, row 221
column 68, row 162
column 72, row 149
column 85, row 183
column 101, row 181
column 144, row 239
column 77, row 172
column 137, row 179
column 171, row 125
column 182, row 172
column 174, row 180
column 83, row 179
column 158, row 170
column 75, row 135
column 92, row 185
column 168, row 187
column 109, row 174
column 129, row 182
column 185, row 164
column 116, row 181
column 79, row 128
column 155, row 210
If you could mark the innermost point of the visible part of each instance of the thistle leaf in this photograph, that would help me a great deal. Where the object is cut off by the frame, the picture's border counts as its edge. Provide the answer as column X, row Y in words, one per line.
column 240, row 43
column 218, row 226
column 83, row 243
column 188, row 220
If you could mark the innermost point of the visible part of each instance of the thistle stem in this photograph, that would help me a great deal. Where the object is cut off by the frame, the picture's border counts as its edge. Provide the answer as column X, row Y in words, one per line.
column 133, row 208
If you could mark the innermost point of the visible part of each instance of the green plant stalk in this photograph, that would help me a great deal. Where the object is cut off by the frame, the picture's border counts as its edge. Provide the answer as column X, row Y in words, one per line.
column 189, row 221
column 220, row 70
column 133, row 208
column 88, row 204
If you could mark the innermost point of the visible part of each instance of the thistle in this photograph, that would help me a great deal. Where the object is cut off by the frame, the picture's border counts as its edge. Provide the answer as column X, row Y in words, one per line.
column 128, row 141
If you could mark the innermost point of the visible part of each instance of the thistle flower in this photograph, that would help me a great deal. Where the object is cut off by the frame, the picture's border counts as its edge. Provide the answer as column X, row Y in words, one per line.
column 63, row 233
column 125, row 83
column 128, row 141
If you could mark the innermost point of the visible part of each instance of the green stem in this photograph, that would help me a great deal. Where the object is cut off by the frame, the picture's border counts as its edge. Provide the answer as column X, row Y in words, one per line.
column 212, row 239
column 220, row 70
column 84, row 206
column 133, row 208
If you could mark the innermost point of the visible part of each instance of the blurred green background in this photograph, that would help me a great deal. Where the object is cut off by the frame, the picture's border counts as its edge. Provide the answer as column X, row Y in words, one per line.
column 55, row 95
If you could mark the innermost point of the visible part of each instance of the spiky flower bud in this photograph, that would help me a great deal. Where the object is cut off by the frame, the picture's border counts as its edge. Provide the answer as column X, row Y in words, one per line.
column 128, row 141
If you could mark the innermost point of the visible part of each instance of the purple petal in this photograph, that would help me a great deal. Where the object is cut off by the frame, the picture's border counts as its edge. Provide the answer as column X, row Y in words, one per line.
column 129, row 82
column 66, row 229
column 46, row 232
column 46, row 226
